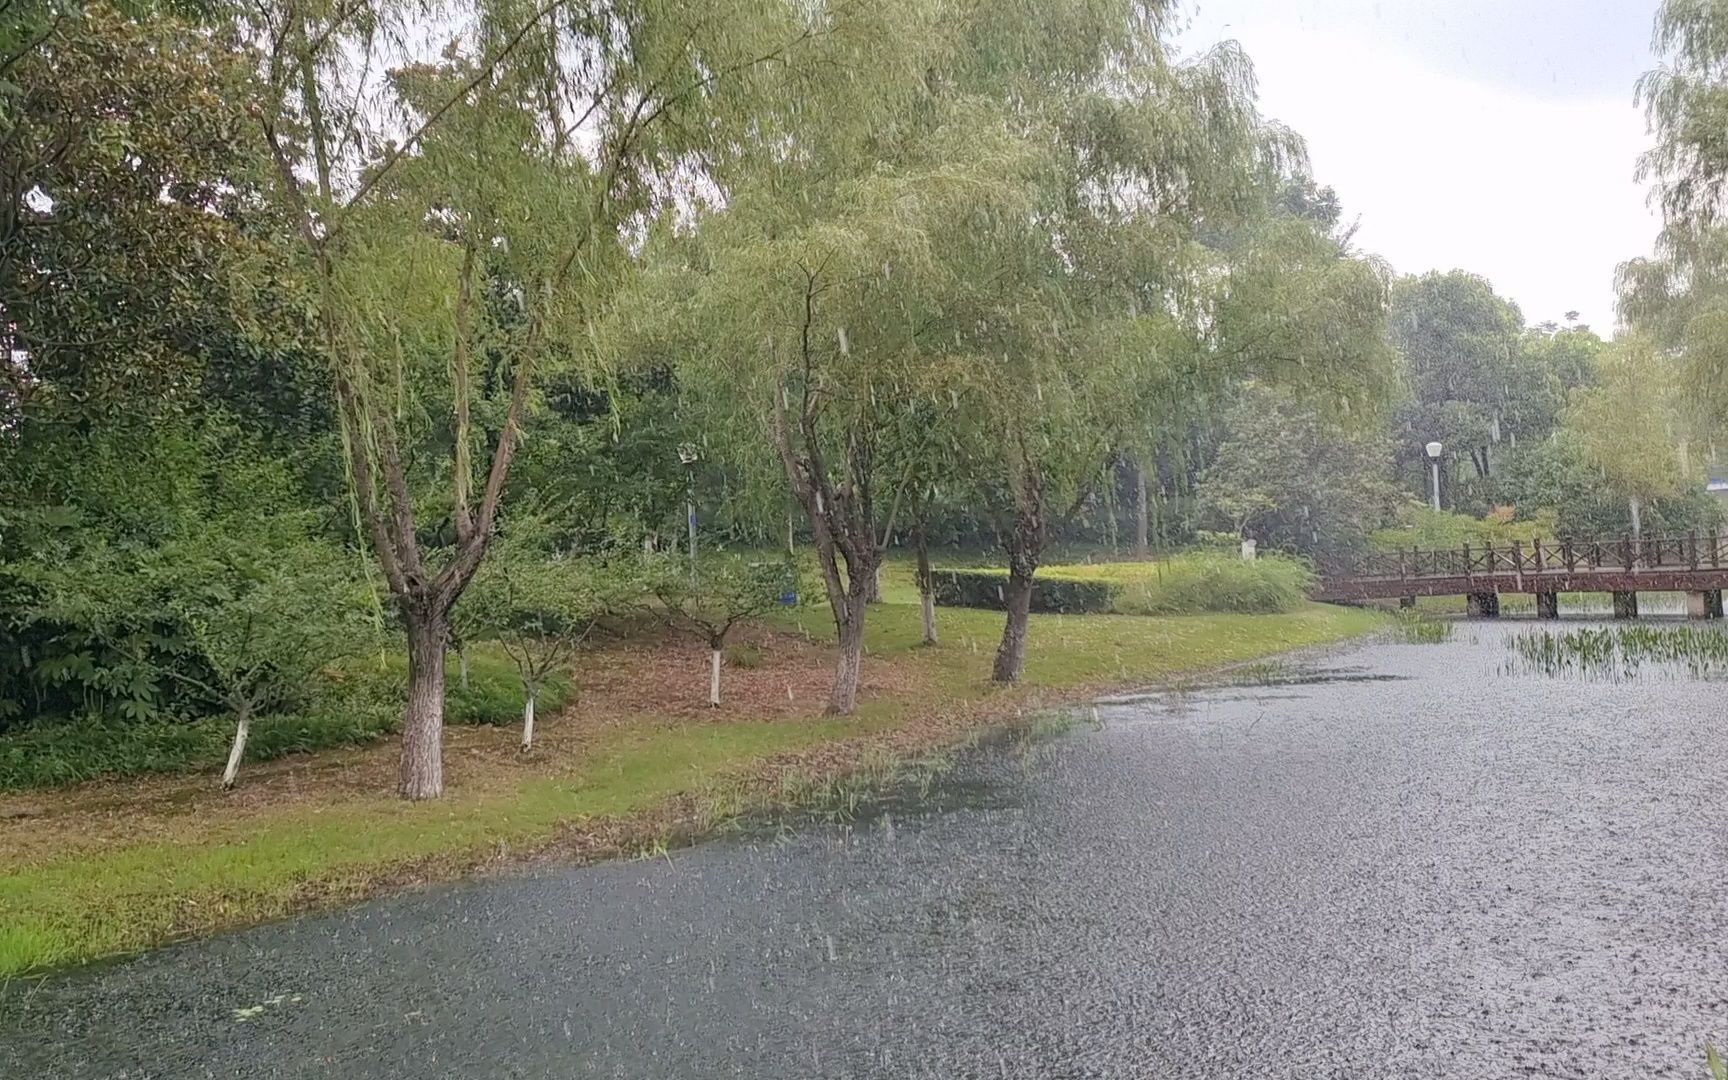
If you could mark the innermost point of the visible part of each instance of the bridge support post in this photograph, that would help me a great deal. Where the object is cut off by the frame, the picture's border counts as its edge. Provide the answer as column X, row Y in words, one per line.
column 1406, row 602
column 1625, row 605
column 1698, row 605
column 1713, row 597
column 1482, row 605
column 1547, row 605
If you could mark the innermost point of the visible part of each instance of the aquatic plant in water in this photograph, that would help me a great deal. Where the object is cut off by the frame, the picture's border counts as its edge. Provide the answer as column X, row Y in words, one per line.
column 1415, row 629
column 1623, row 651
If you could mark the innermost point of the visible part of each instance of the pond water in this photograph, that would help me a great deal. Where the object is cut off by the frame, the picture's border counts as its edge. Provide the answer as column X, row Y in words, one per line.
column 1389, row 860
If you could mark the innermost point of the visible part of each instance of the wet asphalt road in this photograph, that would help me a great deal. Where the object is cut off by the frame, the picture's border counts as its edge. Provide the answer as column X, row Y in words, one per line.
column 1417, row 865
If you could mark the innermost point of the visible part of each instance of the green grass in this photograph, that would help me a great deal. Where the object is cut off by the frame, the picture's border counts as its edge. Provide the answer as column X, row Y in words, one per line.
column 113, row 902
column 68, row 909
column 1070, row 650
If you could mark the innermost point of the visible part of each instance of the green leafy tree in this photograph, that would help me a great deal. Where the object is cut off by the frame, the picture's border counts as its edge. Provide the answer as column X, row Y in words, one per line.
column 1628, row 428
column 265, row 620
column 723, row 592
column 1288, row 479
column 540, row 607
column 234, row 599
column 1678, row 296
column 1469, row 385
column 809, row 306
column 460, row 252
column 131, row 231
column 1120, row 317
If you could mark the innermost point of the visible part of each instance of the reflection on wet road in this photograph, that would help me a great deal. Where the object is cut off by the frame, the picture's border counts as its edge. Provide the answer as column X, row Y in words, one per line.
column 1401, row 860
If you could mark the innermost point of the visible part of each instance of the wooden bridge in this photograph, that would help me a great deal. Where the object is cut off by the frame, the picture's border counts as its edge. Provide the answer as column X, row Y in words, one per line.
column 1694, row 565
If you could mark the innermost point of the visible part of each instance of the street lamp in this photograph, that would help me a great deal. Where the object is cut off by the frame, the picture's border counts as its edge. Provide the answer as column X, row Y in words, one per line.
column 688, row 454
column 1434, row 449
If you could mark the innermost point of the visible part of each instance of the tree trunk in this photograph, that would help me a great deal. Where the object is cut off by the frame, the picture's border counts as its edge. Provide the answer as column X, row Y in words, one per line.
column 528, row 721
column 1635, row 505
column 873, row 586
column 1142, row 513
column 1011, row 653
column 843, row 698
column 1025, row 543
column 926, row 589
column 714, row 677
column 242, row 726
column 421, row 775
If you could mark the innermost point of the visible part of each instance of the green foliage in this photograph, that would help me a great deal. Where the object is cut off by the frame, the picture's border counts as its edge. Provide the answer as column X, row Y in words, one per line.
column 1492, row 392
column 159, row 570
column 1626, row 428
column 353, row 702
column 1292, row 481
column 1052, row 593
column 52, row 755
column 1415, row 628
column 538, row 605
column 1423, row 527
column 1621, row 652
column 1200, row 582
column 1187, row 584
column 134, row 234
column 724, row 591
column 494, row 694
column 969, row 256
column 1554, row 478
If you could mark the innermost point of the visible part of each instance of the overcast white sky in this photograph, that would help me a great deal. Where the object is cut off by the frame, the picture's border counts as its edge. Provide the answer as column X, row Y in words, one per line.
column 1497, row 136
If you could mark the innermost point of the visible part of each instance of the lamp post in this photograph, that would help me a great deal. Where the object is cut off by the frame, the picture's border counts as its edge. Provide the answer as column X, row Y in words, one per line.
column 1434, row 449
column 688, row 454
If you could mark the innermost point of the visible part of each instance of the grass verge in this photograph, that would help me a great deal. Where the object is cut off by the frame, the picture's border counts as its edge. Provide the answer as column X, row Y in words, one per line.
column 111, row 868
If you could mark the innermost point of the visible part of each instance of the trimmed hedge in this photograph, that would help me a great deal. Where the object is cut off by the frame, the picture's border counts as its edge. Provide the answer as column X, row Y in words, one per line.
column 1191, row 583
column 1050, row 594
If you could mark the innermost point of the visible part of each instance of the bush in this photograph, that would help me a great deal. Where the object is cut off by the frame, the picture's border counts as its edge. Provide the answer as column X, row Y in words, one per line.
column 49, row 755
column 1192, row 583
column 1200, row 582
column 1441, row 530
column 1052, row 593
column 356, row 702
column 493, row 695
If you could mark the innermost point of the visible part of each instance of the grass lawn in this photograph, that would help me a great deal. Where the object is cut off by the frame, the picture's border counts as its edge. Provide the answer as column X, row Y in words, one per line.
column 116, row 866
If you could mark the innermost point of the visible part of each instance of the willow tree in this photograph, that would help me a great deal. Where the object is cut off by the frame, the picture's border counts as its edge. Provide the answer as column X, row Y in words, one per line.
column 1678, row 296
column 809, row 301
column 1630, row 426
column 1123, row 309
column 460, row 217
column 1099, row 290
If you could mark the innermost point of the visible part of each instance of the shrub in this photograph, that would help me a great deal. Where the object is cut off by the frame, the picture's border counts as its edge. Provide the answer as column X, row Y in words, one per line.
column 49, row 755
column 356, row 701
column 492, row 696
column 1200, row 582
column 1442, row 530
column 1052, row 592
column 1189, row 584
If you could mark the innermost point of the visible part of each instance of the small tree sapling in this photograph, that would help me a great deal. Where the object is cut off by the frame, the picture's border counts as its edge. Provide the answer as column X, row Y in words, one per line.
column 726, row 591
column 540, row 607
